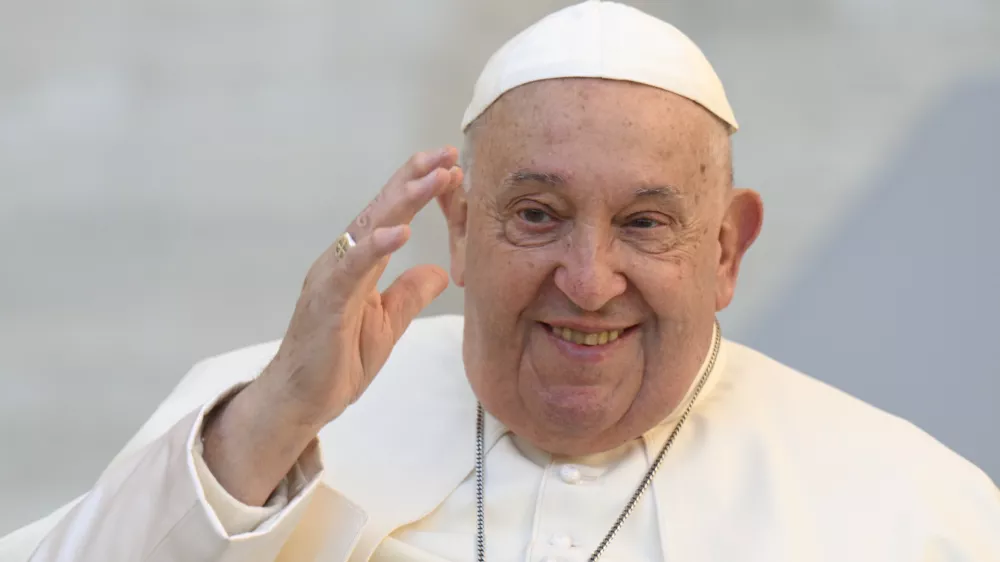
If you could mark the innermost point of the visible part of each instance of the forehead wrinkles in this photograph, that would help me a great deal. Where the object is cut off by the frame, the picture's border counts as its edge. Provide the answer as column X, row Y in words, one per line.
column 556, row 111
column 601, row 116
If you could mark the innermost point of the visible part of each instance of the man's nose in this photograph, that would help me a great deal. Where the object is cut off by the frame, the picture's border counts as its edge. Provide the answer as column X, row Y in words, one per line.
column 589, row 272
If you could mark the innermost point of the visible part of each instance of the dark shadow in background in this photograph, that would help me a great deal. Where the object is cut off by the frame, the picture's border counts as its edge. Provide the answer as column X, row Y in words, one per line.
column 901, row 307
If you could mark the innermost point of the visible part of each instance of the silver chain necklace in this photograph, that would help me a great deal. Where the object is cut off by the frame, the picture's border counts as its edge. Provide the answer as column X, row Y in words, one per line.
column 643, row 485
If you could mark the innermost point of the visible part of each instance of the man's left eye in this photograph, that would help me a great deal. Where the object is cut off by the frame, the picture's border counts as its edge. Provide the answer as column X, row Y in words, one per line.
column 643, row 222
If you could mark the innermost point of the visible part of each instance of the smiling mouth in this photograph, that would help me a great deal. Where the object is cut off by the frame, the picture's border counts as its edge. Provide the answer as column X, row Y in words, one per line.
column 586, row 338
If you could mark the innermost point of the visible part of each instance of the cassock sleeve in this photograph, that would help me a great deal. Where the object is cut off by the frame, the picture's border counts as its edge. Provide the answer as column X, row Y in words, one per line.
column 154, row 507
column 158, row 502
column 236, row 517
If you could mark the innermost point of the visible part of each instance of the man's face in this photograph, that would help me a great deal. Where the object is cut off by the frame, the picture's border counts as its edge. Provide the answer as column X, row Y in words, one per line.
column 593, row 251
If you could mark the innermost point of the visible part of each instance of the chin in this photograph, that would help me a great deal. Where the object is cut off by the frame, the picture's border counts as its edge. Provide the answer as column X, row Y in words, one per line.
column 577, row 412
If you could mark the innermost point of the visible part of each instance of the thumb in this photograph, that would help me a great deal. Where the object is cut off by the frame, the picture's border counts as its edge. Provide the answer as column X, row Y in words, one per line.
column 410, row 293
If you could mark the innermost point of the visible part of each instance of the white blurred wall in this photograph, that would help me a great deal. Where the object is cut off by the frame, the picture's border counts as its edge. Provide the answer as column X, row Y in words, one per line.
column 168, row 171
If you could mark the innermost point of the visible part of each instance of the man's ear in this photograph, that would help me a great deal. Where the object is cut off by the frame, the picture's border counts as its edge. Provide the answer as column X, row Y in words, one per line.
column 455, row 207
column 740, row 227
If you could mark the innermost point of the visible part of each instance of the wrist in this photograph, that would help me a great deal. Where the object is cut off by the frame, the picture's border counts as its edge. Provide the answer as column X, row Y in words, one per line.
column 249, row 445
column 292, row 406
column 270, row 415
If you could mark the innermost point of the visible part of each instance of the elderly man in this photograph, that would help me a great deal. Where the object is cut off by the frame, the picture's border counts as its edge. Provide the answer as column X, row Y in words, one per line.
column 587, row 405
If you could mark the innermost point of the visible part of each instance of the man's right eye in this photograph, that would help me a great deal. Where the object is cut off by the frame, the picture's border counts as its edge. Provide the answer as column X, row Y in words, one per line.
column 534, row 216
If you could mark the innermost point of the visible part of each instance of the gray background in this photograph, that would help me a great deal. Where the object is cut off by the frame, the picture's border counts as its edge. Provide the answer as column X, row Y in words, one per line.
column 169, row 169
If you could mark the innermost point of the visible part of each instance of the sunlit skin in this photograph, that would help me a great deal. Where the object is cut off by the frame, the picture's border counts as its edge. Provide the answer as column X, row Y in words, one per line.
column 594, row 205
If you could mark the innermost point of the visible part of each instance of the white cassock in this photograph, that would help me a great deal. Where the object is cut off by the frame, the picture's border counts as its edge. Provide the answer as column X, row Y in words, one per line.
column 771, row 466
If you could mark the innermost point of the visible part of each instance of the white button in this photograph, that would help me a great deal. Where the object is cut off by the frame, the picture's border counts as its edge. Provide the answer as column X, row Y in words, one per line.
column 561, row 541
column 570, row 474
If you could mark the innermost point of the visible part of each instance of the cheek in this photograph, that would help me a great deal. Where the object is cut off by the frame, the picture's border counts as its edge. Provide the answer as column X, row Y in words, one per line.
column 662, row 286
column 502, row 278
column 674, row 288
column 501, row 284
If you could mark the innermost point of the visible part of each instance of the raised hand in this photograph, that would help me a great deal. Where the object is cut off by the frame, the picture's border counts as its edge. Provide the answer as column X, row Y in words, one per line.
column 343, row 329
column 340, row 335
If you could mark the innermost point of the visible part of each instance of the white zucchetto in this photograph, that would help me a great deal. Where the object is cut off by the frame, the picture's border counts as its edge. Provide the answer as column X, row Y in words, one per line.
column 598, row 39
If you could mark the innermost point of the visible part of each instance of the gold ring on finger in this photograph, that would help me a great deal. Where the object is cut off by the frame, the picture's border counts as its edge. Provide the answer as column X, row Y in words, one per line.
column 344, row 243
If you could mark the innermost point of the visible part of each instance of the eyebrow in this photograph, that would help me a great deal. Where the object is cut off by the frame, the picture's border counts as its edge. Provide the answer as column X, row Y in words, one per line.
column 527, row 176
column 555, row 180
column 659, row 191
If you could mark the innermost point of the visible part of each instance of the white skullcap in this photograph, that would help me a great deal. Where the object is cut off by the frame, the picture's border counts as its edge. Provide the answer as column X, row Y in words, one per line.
column 597, row 39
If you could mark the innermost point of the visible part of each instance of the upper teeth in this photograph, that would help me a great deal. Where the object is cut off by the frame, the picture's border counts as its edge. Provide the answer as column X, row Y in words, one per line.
column 586, row 338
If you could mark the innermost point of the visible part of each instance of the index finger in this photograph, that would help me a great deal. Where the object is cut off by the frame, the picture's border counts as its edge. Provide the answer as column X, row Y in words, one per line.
column 412, row 186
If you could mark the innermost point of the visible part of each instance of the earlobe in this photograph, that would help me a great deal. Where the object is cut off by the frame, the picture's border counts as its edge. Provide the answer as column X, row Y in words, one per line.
column 740, row 227
column 455, row 208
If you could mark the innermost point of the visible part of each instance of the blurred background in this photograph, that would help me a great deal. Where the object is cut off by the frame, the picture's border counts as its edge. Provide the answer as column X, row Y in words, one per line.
column 170, row 168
